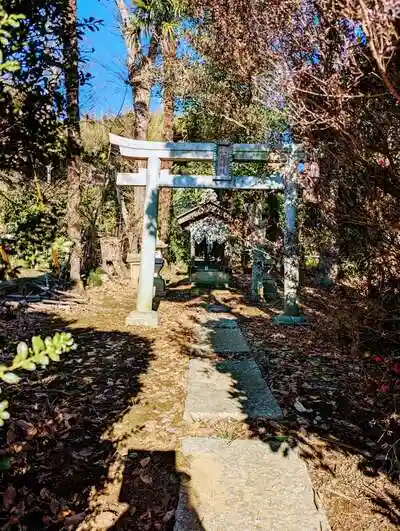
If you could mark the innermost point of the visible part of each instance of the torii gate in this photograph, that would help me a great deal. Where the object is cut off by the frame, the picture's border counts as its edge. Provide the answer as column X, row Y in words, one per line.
column 222, row 154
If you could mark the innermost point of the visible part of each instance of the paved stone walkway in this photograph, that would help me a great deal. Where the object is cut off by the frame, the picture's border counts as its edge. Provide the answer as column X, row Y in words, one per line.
column 220, row 332
column 240, row 485
column 244, row 485
column 232, row 389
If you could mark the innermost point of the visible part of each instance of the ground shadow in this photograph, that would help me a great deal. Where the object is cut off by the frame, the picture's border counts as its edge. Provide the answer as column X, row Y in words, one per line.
column 150, row 488
column 56, row 446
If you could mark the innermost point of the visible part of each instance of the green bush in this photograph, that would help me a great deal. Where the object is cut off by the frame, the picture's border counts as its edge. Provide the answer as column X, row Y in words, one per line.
column 36, row 219
column 94, row 278
column 178, row 239
column 60, row 253
column 36, row 228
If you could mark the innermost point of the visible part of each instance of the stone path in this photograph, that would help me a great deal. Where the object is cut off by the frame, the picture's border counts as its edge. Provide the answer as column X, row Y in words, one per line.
column 232, row 389
column 220, row 332
column 242, row 485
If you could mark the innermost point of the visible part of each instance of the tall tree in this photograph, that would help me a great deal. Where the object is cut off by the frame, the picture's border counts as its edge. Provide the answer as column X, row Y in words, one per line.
column 149, row 30
column 141, row 47
column 170, row 17
column 334, row 67
column 74, row 145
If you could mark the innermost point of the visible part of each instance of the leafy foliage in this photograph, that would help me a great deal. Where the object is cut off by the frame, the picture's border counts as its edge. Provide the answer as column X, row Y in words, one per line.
column 36, row 224
column 332, row 68
column 8, row 22
column 178, row 244
column 32, row 100
column 29, row 357
column 94, row 278
column 32, row 82
column 60, row 253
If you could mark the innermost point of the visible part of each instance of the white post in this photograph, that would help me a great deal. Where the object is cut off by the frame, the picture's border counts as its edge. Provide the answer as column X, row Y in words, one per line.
column 144, row 314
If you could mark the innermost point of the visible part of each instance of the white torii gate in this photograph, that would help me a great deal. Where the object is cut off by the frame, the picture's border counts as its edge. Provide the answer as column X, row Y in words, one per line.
column 222, row 154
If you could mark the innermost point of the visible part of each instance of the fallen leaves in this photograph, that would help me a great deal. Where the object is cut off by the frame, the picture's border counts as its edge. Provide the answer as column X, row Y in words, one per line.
column 61, row 444
column 28, row 428
column 299, row 407
column 169, row 515
column 327, row 393
column 378, row 359
column 148, row 480
column 9, row 497
column 144, row 462
column 73, row 520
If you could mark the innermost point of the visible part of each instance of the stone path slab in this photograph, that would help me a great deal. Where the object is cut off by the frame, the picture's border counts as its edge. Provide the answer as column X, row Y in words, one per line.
column 225, row 321
column 223, row 336
column 225, row 340
column 243, row 485
column 232, row 389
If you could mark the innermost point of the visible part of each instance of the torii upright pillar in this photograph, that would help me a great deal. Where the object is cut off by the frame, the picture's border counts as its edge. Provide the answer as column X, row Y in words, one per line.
column 144, row 314
column 291, row 262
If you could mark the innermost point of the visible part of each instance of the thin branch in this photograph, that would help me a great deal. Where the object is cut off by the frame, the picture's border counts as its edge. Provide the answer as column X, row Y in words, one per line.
column 229, row 119
column 341, row 96
column 375, row 54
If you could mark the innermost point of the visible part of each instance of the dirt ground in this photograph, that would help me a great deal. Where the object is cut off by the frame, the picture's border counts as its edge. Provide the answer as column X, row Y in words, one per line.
column 92, row 442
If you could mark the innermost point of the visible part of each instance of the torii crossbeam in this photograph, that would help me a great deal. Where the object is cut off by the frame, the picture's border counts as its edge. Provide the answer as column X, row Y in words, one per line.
column 222, row 155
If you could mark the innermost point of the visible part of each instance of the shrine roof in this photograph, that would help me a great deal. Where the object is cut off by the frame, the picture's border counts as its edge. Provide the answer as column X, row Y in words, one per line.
column 204, row 210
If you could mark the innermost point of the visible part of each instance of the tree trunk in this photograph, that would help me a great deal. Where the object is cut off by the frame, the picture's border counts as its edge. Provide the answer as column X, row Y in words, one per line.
column 168, row 45
column 141, row 95
column 140, row 80
column 141, row 104
column 169, row 52
column 74, row 225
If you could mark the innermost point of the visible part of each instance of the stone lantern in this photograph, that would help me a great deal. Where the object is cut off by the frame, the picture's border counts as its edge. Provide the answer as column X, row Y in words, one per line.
column 133, row 259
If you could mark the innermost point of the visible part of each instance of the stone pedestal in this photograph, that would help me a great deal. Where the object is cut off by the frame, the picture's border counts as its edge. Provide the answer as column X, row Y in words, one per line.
column 269, row 288
column 133, row 260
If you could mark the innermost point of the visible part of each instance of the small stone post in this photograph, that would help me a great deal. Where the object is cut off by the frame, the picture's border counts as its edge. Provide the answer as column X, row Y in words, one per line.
column 291, row 255
column 257, row 274
column 192, row 247
column 144, row 315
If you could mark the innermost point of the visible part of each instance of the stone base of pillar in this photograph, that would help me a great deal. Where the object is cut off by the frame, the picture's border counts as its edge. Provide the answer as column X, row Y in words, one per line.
column 148, row 319
column 284, row 319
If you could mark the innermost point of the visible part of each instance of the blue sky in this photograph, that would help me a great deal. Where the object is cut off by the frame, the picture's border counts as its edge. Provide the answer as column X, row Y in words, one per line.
column 107, row 92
